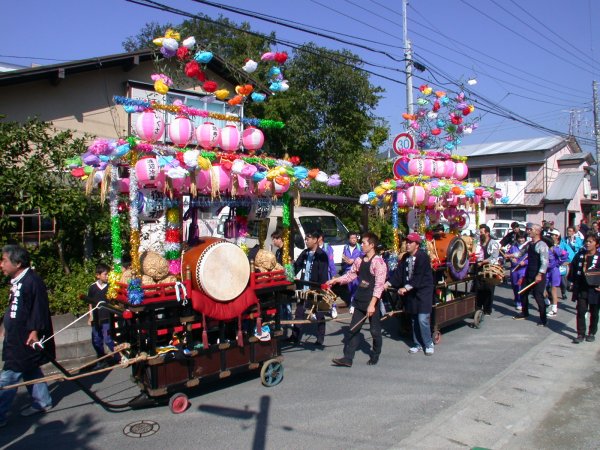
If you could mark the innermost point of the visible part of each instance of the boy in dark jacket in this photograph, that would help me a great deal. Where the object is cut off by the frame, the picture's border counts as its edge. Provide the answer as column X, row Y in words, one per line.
column 100, row 318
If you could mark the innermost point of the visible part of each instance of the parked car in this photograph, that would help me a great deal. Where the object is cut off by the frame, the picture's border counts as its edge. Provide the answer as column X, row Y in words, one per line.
column 499, row 228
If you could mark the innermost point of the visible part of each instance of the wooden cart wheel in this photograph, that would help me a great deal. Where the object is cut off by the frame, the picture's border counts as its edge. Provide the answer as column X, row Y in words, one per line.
column 178, row 403
column 436, row 336
column 478, row 318
column 271, row 373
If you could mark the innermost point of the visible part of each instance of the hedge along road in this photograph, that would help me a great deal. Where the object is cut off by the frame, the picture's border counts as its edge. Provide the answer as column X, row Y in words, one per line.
column 402, row 402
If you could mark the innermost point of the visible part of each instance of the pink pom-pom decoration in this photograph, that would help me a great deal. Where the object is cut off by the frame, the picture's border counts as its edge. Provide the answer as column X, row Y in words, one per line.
column 253, row 138
column 175, row 266
column 181, row 131
column 208, row 135
column 149, row 127
column 230, row 138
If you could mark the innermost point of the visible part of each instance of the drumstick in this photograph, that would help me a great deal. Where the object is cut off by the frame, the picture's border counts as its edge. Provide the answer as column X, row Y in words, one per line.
column 358, row 323
column 527, row 287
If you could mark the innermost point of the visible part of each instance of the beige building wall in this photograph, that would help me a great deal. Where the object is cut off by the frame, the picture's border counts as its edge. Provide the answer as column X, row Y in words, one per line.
column 81, row 102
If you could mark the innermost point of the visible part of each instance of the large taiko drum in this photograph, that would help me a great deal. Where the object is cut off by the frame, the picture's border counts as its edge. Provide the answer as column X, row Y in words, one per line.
column 451, row 249
column 219, row 268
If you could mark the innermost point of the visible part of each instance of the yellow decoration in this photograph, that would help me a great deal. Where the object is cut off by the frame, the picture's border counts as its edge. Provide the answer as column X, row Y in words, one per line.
column 173, row 34
column 222, row 94
column 113, row 279
column 161, row 87
column 173, row 215
column 134, row 240
column 204, row 163
column 158, row 41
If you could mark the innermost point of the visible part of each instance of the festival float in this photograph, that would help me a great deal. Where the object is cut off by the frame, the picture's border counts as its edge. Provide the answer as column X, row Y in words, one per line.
column 431, row 194
column 190, row 308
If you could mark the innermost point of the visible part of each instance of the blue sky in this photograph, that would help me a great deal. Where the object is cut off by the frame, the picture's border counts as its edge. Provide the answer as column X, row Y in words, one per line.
column 536, row 58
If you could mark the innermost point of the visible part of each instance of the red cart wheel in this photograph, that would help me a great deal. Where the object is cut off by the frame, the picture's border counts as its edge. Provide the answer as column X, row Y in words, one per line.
column 178, row 403
column 437, row 337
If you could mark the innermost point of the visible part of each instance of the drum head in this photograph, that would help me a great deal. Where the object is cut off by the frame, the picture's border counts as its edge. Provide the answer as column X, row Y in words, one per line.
column 457, row 255
column 223, row 271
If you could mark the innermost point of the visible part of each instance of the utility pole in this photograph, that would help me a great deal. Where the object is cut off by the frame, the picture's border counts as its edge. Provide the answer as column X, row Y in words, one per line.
column 597, row 133
column 408, row 58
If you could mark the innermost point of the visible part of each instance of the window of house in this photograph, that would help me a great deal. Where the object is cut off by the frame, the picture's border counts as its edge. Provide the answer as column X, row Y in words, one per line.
column 517, row 173
column 474, row 176
column 32, row 227
column 519, row 215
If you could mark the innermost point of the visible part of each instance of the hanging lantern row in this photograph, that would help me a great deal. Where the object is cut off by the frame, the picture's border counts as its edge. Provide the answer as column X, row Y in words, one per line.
column 150, row 128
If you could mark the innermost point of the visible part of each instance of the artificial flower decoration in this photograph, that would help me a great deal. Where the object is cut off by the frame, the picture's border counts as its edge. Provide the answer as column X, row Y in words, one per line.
column 189, row 42
column 172, row 34
column 258, row 97
column 222, row 94
column 210, row 86
column 237, row 100
column 161, row 83
column 192, row 69
column 244, row 90
column 183, row 54
column 268, row 56
column 203, row 57
column 250, row 66
column 280, row 57
column 334, row 180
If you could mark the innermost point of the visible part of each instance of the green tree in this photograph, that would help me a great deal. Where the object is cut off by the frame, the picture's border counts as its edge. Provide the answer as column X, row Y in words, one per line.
column 33, row 175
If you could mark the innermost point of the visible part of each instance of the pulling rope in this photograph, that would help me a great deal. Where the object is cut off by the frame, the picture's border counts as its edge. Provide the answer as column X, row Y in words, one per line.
column 43, row 340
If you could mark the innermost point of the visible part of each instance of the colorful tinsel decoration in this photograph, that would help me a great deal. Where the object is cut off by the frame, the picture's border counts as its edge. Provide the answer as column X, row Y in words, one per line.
column 286, row 222
column 173, row 240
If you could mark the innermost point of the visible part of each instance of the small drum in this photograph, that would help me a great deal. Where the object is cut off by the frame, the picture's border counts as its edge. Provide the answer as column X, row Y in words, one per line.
column 492, row 274
column 449, row 249
column 219, row 268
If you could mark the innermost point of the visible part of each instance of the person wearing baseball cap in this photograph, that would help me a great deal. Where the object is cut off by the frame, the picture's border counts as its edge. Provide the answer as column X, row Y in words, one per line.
column 413, row 278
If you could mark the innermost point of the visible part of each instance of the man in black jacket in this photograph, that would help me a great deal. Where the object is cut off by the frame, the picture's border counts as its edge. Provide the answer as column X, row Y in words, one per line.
column 26, row 322
column 313, row 266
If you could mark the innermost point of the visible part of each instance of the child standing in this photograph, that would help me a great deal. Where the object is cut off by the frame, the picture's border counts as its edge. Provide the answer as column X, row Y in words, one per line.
column 100, row 318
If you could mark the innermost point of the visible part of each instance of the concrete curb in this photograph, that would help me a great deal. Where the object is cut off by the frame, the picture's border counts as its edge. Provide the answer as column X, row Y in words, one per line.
column 514, row 402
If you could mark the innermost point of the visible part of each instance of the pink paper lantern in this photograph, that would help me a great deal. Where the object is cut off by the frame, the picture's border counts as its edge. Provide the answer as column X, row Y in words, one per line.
column 179, row 185
column 208, row 135
column 230, row 138
column 416, row 166
column 223, row 177
column 460, row 170
column 181, row 131
column 149, row 127
column 253, row 138
column 449, row 168
column 243, row 188
column 416, row 195
column 438, row 169
column 147, row 171
column 401, row 199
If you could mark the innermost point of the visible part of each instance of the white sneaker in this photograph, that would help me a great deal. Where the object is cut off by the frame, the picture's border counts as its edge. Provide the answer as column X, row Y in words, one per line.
column 429, row 351
column 519, row 308
column 551, row 313
column 351, row 310
column 415, row 349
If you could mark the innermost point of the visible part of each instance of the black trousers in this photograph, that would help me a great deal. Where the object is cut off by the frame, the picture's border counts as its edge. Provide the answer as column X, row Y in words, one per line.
column 353, row 339
column 297, row 330
column 582, row 307
column 538, row 294
column 485, row 297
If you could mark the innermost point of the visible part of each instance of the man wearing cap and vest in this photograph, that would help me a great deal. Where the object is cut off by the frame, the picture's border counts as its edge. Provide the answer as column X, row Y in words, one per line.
column 414, row 280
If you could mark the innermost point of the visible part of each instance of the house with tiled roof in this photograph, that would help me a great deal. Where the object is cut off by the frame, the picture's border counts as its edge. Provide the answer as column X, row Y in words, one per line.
column 546, row 178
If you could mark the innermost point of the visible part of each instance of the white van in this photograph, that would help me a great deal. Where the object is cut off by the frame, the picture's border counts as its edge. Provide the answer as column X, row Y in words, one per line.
column 499, row 228
column 305, row 220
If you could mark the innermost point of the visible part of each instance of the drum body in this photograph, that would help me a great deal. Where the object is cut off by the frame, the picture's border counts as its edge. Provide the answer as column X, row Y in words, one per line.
column 219, row 268
column 450, row 249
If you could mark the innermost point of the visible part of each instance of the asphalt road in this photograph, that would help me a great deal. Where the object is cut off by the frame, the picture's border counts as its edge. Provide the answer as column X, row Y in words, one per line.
column 509, row 384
